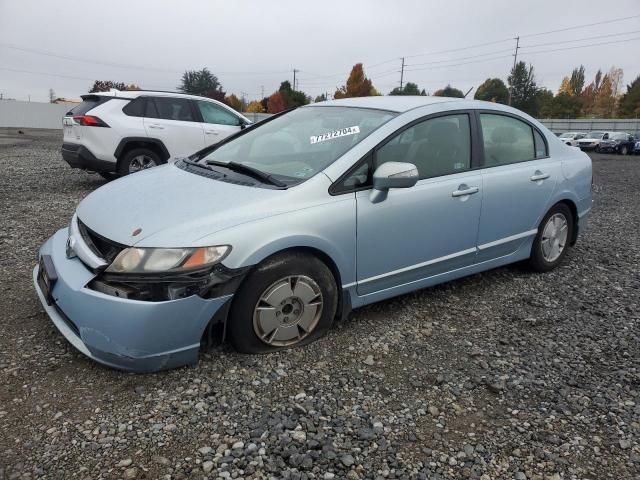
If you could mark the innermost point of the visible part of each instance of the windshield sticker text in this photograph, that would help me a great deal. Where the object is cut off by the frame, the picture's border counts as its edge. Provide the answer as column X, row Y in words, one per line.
column 340, row 132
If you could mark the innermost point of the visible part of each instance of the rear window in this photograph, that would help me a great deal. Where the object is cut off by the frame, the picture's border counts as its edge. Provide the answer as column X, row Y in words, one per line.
column 87, row 104
column 135, row 108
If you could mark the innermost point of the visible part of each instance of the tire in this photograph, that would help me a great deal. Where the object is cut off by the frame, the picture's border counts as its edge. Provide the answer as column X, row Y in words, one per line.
column 544, row 254
column 597, row 149
column 624, row 150
column 109, row 175
column 292, row 283
column 143, row 157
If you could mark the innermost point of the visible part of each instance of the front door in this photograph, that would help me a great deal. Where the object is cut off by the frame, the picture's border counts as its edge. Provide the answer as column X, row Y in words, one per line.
column 430, row 228
column 217, row 122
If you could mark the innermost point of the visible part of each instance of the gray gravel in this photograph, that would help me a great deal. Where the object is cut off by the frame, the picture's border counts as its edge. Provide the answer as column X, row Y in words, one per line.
column 506, row 374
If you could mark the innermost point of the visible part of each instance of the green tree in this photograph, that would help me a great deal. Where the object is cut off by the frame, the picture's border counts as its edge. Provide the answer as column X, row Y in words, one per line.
column 201, row 82
column 106, row 85
column 492, row 90
column 524, row 89
column 292, row 98
column 449, row 91
column 321, row 98
column 358, row 85
column 629, row 106
column 409, row 89
column 576, row 82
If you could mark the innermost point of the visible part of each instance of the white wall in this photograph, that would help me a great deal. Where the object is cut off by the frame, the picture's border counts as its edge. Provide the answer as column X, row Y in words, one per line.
column 14, row 113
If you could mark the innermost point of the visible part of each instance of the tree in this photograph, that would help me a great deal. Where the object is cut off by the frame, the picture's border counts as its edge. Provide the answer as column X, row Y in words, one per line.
column 565, row 86
column 409, row 89
column 524, row 89
column 276, row 103
column 234, row 102
column 629, row 106
column 106, row 85
column 321, row 98
column 52, row 95
column 576, row 82
column 605, row 100
column 358, row 85
column 493, row 90
column 132, row 87
column 201, row 82
column 255, row 107
column 449, row 91
column 292, row 98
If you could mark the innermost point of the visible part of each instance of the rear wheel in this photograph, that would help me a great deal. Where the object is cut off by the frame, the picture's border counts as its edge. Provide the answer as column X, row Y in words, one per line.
column 624, row 150
column 138, row 159
column 288, row 300
column 552, row 241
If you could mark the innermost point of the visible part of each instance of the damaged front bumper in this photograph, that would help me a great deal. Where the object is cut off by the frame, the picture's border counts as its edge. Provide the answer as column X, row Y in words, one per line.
column 134, row 335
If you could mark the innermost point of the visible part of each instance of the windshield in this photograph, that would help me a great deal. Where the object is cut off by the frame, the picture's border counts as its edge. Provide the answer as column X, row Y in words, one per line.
column 299, row 144
column 595, row 134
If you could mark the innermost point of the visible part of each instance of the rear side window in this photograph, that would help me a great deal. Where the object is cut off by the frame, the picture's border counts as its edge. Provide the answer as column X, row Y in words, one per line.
column 87, row 104
column 169, row 108
column 506, row 140
column 212, row 113
column 135, row 108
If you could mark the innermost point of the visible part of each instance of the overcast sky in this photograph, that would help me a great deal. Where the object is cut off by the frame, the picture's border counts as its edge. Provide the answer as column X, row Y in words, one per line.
column 254, row 44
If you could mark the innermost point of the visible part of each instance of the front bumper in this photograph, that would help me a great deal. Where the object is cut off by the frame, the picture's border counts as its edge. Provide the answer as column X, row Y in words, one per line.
column 127, row 334
column 588, row 147
column 79, row 156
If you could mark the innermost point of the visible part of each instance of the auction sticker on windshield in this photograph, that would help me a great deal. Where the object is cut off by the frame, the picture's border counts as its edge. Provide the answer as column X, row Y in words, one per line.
column 340, row 132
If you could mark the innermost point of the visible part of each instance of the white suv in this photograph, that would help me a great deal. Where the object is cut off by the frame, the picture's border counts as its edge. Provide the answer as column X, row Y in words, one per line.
column 116, row 133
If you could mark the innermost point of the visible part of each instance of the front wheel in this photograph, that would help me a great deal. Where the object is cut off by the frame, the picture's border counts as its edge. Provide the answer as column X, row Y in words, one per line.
column 624, row 150
column 552, row 241
column 288, row 300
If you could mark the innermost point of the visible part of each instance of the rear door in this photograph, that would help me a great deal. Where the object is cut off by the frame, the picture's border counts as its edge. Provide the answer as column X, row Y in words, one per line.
column 174, row 121
column 217, row 121
column 518, row 179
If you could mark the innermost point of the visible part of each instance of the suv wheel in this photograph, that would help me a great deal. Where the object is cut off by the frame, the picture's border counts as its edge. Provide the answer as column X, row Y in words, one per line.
column 138, row 159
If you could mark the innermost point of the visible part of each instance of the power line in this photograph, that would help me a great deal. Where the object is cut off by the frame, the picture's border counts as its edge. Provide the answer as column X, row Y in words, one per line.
column 459, row 49
column 584, row 46
column 581, row 39
column 621, row 19
column 456, row 59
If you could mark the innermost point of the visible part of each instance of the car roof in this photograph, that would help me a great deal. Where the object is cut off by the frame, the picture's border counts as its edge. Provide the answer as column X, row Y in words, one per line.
column 394, row 103
column 138, row 93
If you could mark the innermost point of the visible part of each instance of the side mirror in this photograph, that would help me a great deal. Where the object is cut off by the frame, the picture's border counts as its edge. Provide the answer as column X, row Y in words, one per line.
column 392, row 175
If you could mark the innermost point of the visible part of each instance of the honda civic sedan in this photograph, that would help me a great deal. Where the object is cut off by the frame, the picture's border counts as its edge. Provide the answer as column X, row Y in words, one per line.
column 289, row 224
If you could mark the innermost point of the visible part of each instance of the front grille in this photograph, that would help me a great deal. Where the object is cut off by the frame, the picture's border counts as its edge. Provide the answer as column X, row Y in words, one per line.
column 100, row 246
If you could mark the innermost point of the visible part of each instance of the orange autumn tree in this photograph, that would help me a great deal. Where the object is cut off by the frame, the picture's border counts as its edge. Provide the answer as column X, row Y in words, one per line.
column 276, row 104
column 358, row 85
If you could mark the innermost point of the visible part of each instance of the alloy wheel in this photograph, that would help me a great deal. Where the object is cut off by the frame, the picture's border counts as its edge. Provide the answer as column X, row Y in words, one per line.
column 141, row 162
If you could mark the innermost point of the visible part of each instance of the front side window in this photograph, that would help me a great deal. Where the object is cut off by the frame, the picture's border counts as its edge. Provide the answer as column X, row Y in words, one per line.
column 301, row 143
column 507, row 140
column 212, row 113
column 169, row 108
column 437, row 146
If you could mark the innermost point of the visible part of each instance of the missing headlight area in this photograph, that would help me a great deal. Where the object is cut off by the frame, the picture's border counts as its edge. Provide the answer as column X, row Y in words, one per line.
column 207, row 283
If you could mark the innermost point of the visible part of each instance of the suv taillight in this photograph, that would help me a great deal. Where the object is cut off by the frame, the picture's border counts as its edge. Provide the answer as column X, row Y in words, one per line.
column 89, row 121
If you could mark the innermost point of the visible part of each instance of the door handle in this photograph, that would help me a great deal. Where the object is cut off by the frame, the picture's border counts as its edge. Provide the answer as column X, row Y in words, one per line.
column 538, row 175
column 464, row 190
column 211, row 132
column 156, row 126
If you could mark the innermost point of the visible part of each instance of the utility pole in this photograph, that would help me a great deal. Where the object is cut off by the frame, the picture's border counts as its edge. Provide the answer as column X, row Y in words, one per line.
column 261, row 92
column 515, row 60
column 402, row 73
column 294, row 78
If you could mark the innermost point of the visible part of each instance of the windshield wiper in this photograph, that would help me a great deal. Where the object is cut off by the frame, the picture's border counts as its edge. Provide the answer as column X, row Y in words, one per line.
column 252, row 172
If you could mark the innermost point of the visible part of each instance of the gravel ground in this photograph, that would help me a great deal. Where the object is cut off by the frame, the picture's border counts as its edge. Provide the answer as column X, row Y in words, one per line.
column 505, row 374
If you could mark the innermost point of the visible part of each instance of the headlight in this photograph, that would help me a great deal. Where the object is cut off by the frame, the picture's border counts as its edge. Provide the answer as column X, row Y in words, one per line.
column 150, row 260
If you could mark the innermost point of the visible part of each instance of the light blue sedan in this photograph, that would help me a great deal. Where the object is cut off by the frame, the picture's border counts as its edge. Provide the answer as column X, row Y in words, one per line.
column 294, row 221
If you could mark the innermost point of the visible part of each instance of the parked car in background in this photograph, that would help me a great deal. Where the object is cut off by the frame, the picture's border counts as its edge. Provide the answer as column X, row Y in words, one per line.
column 571, row 138
column 620, row 142
column 636, row 147
column 299, row 218
column 116, row 133
column 592, row 140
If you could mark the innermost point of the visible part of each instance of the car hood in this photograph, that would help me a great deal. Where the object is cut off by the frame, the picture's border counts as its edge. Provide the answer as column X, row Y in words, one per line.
column 174, row 208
